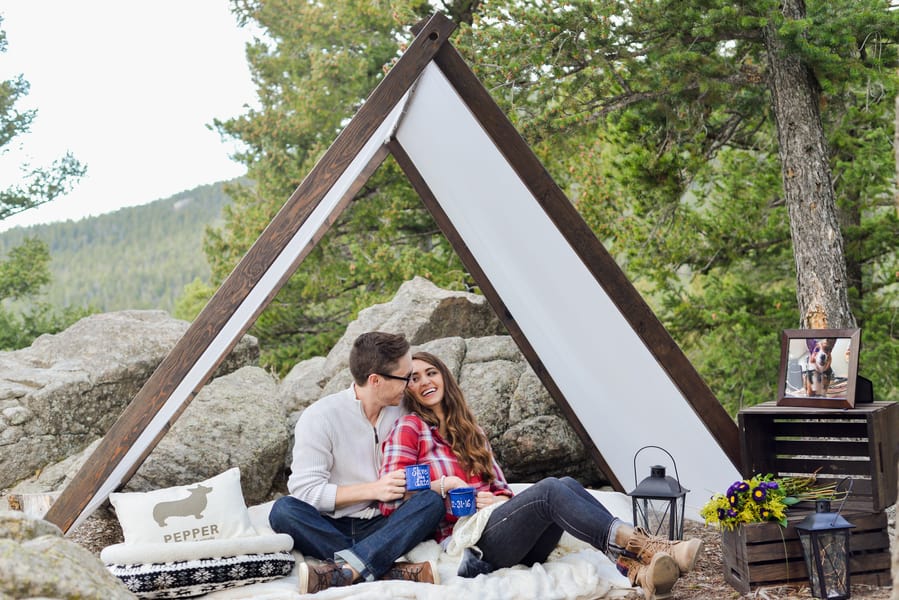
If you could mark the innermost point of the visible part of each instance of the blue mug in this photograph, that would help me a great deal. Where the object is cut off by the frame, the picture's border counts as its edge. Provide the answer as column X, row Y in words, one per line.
column 418, row 477
column 462, row 502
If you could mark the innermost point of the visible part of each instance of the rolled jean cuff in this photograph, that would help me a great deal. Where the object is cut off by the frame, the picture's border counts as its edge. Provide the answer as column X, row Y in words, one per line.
column 351, row 559
column 611, row 547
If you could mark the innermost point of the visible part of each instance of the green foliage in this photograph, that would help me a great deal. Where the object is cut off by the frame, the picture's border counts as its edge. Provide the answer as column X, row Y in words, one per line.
column 195, row 296
column 20, row 329
column 656, row 118
column 140, row 257
column 24, row 270
column 315, row 67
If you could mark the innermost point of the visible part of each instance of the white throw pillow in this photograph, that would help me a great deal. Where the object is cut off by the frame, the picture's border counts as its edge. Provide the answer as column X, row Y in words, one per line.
column 208, row 510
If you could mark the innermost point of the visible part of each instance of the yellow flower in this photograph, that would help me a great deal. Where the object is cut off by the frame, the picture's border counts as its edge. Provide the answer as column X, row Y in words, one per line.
column 761, row 498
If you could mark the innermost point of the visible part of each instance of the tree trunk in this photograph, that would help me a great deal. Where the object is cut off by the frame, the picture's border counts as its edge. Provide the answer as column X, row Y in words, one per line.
column 807, row 184
column 896, row 153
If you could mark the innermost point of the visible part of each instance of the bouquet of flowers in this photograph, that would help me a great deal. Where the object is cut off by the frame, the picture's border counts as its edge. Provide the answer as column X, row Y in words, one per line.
column 762, row 498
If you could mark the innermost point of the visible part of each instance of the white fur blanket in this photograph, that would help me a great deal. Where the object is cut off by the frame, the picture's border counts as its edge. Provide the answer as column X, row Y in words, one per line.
column 574, row 571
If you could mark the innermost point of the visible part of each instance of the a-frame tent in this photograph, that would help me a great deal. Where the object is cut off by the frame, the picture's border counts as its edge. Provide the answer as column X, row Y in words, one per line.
column 616, row 373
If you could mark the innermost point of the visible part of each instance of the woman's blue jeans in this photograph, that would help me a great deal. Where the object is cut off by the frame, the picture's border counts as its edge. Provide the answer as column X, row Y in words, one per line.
column 526, row 528
column 370, row 546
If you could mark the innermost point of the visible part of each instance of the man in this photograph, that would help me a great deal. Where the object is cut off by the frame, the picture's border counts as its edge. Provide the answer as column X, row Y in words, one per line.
column 332, row 511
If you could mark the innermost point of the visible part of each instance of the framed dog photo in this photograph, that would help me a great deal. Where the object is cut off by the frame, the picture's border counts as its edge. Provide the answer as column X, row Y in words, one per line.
column 818, row 368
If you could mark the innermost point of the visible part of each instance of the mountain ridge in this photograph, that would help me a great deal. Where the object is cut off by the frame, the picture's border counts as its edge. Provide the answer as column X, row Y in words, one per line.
column 137, row 257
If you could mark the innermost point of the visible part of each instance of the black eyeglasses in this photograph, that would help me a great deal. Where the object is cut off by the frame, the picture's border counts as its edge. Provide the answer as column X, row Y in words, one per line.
column 405, row 379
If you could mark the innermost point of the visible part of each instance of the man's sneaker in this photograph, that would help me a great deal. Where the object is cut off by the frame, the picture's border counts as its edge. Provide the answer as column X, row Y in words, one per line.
column 642, row 546
column 315, row 578
column 424, row 572
column 656, row 578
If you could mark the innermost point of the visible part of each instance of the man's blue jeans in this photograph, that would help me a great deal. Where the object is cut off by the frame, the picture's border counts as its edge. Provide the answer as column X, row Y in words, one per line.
column 370, row 546
column 526, row 528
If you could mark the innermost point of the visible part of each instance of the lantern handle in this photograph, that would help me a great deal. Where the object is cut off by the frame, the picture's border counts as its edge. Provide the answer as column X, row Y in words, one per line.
column 676, row 475
column 843, row 501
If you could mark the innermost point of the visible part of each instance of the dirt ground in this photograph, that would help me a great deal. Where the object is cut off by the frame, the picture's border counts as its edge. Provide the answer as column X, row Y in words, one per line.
column 706, row 582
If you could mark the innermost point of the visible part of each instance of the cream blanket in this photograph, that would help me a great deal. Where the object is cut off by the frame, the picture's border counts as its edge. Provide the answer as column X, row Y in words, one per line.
column 574, row 571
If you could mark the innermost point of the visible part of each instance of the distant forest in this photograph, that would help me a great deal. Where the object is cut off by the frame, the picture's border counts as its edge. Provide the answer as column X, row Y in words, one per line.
column 139, row 257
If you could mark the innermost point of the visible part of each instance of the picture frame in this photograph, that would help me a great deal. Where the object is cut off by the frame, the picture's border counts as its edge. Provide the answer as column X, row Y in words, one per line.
column 818, row 368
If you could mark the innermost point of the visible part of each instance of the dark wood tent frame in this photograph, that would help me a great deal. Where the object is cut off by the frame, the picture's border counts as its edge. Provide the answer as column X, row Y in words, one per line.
column 273, row 259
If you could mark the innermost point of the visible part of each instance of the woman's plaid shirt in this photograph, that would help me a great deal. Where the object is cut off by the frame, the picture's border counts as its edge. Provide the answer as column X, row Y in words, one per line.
column 414, row 442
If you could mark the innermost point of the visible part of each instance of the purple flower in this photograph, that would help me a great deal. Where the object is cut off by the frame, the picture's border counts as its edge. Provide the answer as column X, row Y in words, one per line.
column 733, row 492
column 731, row 513
column 759, row 494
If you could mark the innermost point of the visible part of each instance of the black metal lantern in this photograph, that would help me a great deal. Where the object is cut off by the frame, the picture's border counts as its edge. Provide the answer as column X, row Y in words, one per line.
column 659, row 500
column 825, row 546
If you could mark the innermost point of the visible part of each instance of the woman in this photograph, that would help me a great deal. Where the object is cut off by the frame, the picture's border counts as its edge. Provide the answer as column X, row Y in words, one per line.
column 441, row 431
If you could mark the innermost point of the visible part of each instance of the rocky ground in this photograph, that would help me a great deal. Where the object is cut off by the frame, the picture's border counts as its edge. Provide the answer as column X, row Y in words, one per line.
column 706, row 582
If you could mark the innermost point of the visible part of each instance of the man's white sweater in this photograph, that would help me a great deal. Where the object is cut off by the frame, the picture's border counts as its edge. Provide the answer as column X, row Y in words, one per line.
column 335, row 445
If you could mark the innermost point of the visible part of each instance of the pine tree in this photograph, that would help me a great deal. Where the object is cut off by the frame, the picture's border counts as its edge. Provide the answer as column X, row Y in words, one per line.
column 24, row 270
column 658, row 118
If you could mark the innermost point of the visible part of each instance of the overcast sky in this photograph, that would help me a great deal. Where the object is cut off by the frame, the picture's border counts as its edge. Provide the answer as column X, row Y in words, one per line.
column 129, row 88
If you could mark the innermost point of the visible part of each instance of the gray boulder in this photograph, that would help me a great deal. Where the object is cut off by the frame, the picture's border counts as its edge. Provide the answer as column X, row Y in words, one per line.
column 56, row 476
column 528, row 433
column 303, row 385
column 37, row 562
column 423, row 312
column 235, row 421
column 64, row 391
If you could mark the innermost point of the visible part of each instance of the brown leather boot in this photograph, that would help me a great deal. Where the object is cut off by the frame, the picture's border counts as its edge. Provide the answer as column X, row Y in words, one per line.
column 656, row 577
column 642, row 545
column 315, row 578
column 423, row 572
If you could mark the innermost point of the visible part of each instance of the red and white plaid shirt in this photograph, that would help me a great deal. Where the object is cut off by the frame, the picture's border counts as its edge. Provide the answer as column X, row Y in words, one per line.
column 413, row 442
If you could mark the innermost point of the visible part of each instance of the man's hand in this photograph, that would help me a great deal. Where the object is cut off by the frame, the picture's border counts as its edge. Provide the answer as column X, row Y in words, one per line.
column 391, row 486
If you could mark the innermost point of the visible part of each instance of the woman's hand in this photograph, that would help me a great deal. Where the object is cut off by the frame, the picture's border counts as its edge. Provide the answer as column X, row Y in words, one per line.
column 452, row 482
column 486, row 499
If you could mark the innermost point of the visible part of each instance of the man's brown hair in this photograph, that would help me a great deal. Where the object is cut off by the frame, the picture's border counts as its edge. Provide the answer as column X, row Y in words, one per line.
column 376, row 352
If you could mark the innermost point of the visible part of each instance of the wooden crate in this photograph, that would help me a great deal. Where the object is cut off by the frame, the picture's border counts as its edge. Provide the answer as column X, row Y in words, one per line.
column 860, row 443
column 766, row 554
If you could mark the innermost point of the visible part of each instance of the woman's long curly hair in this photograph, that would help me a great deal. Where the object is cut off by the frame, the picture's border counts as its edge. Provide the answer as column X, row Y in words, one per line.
column 465, row 437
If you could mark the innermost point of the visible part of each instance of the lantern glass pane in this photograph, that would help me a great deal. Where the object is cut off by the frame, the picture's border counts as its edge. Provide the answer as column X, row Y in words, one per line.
column 659, row 517
column 826, row 560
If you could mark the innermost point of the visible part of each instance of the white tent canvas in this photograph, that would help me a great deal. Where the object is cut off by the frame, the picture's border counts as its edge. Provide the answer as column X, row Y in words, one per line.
column 608, row 362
